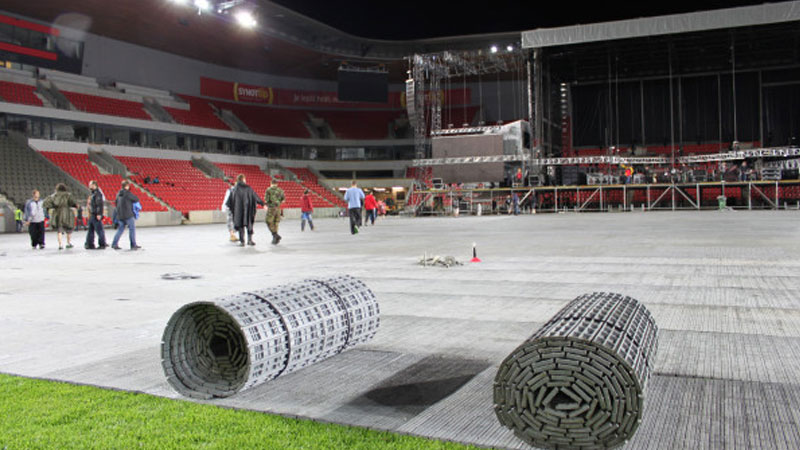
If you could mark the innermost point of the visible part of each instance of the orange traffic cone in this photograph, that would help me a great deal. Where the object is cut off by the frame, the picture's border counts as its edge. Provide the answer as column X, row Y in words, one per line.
column 475, row 258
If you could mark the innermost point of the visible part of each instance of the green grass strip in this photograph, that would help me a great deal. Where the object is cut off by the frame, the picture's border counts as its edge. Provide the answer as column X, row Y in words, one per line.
column 44, row 414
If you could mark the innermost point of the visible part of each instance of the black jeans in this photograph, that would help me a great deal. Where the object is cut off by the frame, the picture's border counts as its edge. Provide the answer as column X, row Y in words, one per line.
column 249, row 233
column 95, row 226
column 355, row 219
column 36, row 230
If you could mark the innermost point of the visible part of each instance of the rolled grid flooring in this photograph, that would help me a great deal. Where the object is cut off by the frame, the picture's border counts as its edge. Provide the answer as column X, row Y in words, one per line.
column 723, row 289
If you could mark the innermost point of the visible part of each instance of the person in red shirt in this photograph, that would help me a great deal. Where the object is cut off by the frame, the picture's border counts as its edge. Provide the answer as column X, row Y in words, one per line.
column 371, row 205
column 306, row 209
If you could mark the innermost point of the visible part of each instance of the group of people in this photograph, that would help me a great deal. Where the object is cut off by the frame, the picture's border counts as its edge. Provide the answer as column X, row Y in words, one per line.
column 356, row 200
column 241, row 202
column 60, row 207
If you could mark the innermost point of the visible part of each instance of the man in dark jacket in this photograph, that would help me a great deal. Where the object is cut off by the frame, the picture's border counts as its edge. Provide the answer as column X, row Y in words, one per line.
column 243, row 203
column 125, row 215
column 95, row 208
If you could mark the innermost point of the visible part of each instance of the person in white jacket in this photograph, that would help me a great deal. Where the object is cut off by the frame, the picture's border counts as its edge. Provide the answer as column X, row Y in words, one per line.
column 231, row 229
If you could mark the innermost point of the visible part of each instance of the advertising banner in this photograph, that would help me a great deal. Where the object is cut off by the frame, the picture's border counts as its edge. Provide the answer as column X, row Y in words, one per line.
column 247, row 93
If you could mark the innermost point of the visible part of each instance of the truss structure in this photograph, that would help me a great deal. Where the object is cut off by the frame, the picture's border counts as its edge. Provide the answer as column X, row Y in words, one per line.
column 428, row 71
column 778, row 152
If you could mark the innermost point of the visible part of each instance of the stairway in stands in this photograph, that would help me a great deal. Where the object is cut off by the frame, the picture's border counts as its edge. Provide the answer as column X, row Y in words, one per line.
column 181, row 185
column 83, row 170
column 22, row 170
column 310, row 181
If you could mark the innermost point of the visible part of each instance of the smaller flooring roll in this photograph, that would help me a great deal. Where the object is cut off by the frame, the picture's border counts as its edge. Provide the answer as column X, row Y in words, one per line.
column 220, row 347
column 579, row 381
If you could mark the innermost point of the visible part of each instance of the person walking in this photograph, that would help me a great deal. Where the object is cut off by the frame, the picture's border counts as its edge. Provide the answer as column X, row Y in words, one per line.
column 18, row 219
column 242, row 202
column 62, row 219
column 273, row 197
column 34, row 219
column 95, row 207
column 125, row 215
column 306, row 210
column 231, row 228
column 371, row 205
column 354, row 196
column 515, row 202
column 79, row 219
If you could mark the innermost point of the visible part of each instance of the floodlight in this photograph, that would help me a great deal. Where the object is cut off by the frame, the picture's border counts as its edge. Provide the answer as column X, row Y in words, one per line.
column 245, row 19
column 493, row 49
column 202, row 5
column 510, row 48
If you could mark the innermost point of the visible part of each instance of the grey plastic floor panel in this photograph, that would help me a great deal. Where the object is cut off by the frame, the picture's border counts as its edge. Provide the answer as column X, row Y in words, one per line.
column 741, row 357
column 724, row 289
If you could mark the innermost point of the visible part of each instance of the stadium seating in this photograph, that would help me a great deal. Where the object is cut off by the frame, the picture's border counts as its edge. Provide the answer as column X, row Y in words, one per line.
column 199, row 114
column 310, row 181
column 260, row 181
column 22, row 170
column 359, row 124
column 107, row 106
column 181, row 185
column 268, row 120
column 256, row 178
column 19, row 93
column 80, row 168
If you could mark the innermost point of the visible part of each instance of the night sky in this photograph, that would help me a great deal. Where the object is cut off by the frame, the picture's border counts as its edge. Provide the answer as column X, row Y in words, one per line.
column 413, row 19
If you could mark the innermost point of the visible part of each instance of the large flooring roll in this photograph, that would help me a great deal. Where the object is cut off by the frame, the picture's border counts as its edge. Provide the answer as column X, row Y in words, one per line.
column 220, row 347
column 579, row 381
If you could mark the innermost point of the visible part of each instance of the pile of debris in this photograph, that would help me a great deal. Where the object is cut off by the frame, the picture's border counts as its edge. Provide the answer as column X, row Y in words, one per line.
column 441, row 261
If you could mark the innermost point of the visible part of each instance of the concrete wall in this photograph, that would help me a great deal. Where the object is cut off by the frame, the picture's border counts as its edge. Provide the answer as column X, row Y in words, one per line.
column 7, row 222
column 59, row 146
column 205, row 217
column 370, row 183
column 159, row 219
column 106, row 58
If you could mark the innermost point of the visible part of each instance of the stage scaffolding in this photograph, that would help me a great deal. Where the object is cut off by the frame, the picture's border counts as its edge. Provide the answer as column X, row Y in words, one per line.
column 430, row 70
column 748, row 195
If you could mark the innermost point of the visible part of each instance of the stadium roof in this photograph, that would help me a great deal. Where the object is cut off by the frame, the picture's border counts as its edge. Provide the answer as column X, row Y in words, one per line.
column 671, row 24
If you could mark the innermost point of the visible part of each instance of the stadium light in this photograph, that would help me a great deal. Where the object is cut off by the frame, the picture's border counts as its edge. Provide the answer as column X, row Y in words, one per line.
column 245, row 19
column 202, row 5
column 493, row 49
column 510, row 48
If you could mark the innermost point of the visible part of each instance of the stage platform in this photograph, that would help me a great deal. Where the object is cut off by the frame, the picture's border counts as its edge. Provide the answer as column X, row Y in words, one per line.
column 723, row 286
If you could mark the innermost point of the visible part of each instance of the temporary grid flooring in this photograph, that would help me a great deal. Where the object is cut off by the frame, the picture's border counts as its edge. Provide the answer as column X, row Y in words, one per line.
column 724, row 288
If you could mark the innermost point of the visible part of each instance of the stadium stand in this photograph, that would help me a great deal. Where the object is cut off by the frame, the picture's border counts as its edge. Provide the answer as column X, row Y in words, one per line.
column 19, row 93
column 293, row 191
column 181, row 185
column 80, row 168
column 108, row 106
column 310, row 181
column 360, row 124
column 267, row 120
column 256, row 178
column 22, row 170
column 199, row 114
column 260, row 181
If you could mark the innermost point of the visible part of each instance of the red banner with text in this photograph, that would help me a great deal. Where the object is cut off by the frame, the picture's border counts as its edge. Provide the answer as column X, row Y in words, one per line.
column 246, row 93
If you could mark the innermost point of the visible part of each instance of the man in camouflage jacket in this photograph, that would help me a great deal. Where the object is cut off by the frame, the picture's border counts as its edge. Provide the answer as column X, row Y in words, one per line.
column 273, row 197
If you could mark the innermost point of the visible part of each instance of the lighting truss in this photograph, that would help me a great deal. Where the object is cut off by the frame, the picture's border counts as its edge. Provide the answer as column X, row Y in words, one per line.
column 778, row 152
column 427, row 72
